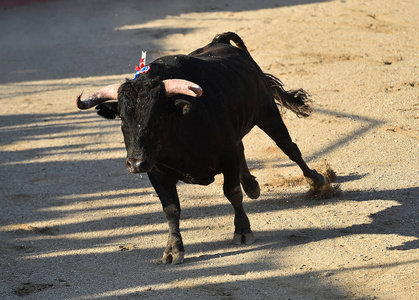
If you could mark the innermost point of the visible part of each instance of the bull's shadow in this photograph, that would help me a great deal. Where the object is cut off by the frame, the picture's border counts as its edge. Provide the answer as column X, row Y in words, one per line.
column 398, row 219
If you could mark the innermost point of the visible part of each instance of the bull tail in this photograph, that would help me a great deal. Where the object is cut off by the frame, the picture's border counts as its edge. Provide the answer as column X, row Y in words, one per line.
column 226, row 37
column 295, row 100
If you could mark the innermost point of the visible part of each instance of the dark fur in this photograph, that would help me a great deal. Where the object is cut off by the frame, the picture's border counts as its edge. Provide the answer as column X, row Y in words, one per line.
column 193, row 139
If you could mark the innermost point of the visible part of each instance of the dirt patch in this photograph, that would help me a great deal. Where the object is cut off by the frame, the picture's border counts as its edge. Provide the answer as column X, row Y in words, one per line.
column 322, row 167
column 24, row 228
column 28, row 288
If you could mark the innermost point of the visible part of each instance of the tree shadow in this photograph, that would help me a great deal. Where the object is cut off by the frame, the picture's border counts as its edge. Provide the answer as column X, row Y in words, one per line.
column 59, row 39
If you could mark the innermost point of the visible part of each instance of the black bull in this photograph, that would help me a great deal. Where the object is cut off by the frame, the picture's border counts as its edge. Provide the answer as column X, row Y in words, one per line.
column 185, row 119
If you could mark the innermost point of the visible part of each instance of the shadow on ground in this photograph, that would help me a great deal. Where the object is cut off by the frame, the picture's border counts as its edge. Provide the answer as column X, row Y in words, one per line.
column 61, row 39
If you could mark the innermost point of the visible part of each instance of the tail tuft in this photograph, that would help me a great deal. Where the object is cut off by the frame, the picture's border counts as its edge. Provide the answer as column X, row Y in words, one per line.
column 295, row 100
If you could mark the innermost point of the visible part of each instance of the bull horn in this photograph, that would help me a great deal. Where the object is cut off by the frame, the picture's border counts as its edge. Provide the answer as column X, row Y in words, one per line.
column 106, row 93
column 181, row 86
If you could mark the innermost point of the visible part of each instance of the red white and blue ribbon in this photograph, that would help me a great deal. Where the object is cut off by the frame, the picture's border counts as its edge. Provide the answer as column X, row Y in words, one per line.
column 142, row 68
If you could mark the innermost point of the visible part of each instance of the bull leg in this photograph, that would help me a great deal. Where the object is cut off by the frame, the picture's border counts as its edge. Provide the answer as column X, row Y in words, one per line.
column 276, row 129
column 233, row 192
column 165, row 187
column 249, row 184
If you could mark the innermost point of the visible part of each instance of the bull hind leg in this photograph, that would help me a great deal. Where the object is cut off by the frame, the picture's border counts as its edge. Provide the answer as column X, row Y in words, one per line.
column 248, row 181
column 273, row 125
column 232, row 190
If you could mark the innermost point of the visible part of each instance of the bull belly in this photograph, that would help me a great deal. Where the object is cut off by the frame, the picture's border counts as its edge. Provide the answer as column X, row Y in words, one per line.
column 187, row 178
column 201, row 176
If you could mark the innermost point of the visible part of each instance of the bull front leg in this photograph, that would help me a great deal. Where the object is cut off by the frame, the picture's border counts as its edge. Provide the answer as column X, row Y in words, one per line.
column 165, row 187
column 232, row 190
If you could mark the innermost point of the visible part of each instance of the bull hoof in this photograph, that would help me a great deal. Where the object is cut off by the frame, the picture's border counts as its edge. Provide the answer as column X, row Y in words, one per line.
column 316, row 181
column 172, row 258
column 251, row 188
column 247, row 238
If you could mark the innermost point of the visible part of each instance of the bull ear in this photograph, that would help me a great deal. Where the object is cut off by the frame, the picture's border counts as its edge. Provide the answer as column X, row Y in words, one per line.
column 108, row 110
column 183, row 105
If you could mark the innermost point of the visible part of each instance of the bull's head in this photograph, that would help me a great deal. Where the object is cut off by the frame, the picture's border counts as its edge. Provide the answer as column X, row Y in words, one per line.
column 139, row 104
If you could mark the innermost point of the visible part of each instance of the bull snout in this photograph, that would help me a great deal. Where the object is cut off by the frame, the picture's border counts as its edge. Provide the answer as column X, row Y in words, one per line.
column 137, row 165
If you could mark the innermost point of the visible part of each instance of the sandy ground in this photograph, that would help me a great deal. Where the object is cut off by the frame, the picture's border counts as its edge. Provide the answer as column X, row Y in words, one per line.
column 74, row 224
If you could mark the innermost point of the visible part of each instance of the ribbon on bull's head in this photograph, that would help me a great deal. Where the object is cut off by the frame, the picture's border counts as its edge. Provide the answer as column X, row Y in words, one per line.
column 142, row 68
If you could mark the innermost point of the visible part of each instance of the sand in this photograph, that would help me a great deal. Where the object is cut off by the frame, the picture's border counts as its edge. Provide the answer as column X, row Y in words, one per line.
column 74, row 224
